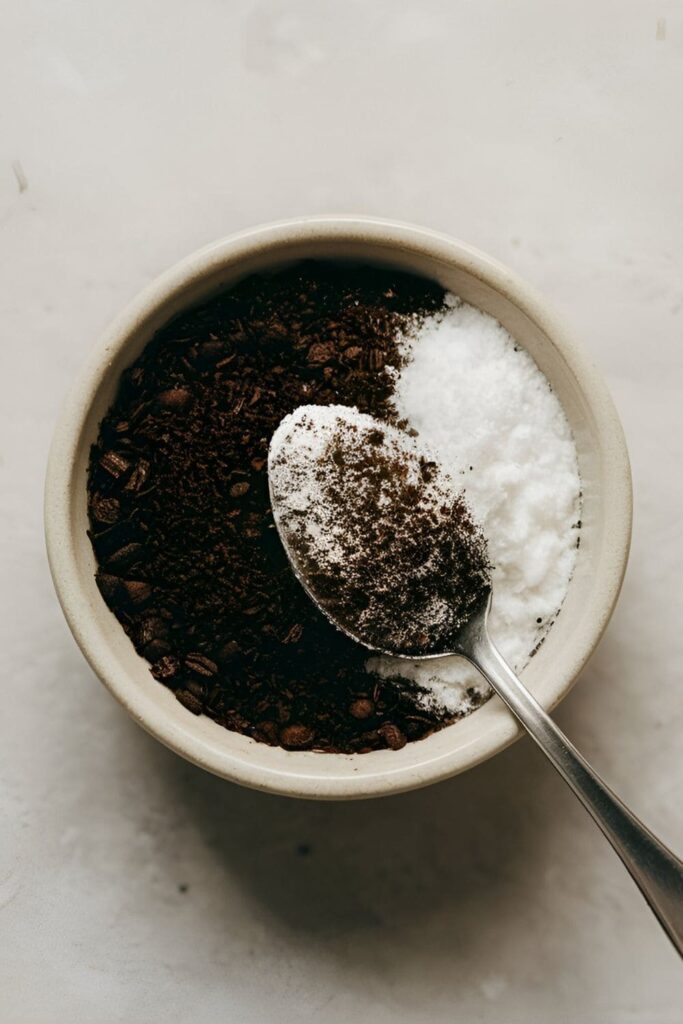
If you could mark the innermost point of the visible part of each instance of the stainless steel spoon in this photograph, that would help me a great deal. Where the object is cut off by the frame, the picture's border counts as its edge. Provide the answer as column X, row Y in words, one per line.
column 655, row 869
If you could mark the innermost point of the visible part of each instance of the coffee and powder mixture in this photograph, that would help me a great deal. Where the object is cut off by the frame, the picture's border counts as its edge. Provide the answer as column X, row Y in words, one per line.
column 189, row 558
column 381, row 535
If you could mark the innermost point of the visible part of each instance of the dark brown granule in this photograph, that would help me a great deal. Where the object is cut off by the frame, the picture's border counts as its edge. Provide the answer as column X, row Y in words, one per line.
column 190, row 562
column 362, row 708
column 392, row 735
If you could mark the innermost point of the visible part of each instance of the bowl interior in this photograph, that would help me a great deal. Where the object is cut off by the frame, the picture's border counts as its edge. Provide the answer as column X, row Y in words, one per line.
column 592, row 592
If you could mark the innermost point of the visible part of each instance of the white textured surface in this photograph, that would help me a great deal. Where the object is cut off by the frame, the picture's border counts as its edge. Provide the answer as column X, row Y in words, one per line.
column 487, row 414
column 546, row 134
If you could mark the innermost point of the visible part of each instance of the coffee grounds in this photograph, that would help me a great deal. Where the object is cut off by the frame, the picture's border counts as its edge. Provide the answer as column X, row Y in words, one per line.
column 180, row 521
column 378, row 531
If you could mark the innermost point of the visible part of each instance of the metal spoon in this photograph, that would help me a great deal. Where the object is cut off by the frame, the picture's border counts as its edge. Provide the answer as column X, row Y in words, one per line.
column 655, row 869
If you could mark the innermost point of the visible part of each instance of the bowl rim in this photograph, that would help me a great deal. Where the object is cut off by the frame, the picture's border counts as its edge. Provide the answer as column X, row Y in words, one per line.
column 246, row 768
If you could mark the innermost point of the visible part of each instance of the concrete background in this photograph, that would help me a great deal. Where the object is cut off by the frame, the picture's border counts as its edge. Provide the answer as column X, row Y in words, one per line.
column 132, row 886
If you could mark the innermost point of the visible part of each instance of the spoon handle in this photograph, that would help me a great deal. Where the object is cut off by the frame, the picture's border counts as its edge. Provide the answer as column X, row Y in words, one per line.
column 655, row 869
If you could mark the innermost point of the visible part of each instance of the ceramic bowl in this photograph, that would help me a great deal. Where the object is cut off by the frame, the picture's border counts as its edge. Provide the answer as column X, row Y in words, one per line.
column 606, row 517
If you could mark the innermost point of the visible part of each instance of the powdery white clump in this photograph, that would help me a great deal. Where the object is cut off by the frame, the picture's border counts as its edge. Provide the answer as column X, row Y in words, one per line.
column 485, row 410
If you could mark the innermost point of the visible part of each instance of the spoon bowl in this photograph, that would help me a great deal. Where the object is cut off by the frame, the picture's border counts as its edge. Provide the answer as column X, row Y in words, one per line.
column 345, row 485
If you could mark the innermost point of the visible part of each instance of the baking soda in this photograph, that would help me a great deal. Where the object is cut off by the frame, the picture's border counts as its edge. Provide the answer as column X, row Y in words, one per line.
column 486, row 412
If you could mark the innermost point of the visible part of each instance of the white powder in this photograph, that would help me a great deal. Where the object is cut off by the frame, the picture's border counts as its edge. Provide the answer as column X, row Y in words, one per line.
column 487, row 413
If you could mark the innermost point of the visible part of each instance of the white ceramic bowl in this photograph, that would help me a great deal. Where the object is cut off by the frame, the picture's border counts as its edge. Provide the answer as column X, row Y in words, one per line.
column 606, row 517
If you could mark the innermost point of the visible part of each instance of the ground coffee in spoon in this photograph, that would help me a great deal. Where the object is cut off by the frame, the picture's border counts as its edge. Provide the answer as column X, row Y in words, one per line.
column 378, row 532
